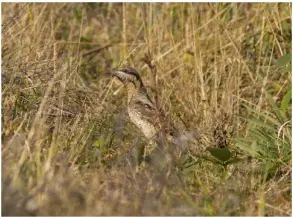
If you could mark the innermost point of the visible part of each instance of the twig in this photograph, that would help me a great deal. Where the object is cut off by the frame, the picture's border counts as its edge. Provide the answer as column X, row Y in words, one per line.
column 148, row 60
column 96, row 50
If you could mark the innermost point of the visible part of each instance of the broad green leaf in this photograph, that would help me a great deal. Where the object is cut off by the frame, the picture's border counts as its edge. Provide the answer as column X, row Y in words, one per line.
column 284, row 60
column 286, row 100
column 222, row 154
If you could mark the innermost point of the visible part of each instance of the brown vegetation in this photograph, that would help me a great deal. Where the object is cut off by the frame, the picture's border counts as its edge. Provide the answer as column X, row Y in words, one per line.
column 68, row 147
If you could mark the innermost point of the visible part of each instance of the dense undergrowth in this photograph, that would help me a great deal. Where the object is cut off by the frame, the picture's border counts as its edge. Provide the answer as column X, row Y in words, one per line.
column 223, row 72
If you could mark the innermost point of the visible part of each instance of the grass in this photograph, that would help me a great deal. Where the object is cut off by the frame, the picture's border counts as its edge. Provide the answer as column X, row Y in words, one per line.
column 68, row 147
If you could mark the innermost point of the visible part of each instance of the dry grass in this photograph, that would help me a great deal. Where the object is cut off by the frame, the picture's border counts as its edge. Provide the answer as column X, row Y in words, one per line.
column 67, row 145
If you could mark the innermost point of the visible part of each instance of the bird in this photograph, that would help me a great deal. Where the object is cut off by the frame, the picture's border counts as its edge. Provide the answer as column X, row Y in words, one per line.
column 143, row 112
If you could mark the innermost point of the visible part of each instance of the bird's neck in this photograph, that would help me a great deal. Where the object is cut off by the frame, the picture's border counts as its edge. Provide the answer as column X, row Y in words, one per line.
column 134, row 89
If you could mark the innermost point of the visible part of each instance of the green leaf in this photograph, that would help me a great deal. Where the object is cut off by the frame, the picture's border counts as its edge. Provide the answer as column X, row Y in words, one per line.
column 262, row 135
column 282, row 118
column 244, row 144
column 259, row 122
column 286, row 100
column 284, row 60
column 265, row 115
column 222, row 154
column 175, row 13
column 102, row 143
column 30, row 14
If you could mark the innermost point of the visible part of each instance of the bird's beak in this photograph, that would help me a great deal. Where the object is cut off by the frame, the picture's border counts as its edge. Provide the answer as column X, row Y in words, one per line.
column 121, row 76
column 111, row 72
column 108, row 73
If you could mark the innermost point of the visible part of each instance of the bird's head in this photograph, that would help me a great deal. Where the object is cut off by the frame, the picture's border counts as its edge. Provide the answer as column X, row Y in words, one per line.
column 126, row 75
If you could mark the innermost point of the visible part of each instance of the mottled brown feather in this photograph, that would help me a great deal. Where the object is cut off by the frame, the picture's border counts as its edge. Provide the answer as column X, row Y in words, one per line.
column 140, row 103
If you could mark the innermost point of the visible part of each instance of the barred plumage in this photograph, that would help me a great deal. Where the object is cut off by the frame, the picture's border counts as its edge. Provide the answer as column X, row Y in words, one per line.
column 142, row 111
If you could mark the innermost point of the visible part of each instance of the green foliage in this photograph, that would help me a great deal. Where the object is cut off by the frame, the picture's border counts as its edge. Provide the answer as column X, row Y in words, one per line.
column 285, row 61
column 269, row 135
column 103, row 143
column 29, row 12
column 285, row 106
column 221, row 156
column 77, row 13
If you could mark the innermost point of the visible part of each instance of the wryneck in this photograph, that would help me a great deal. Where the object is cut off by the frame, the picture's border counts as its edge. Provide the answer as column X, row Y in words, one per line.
column 134, row 88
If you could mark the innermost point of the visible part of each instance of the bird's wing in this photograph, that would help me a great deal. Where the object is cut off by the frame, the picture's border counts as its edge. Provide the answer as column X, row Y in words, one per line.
column 154, row 116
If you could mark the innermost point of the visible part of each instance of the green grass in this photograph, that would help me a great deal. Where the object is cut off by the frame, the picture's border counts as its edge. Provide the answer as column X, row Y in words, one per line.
column 68, row 147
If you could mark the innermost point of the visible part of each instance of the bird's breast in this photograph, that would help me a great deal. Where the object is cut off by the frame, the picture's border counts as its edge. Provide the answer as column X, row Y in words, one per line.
column 137, row 118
